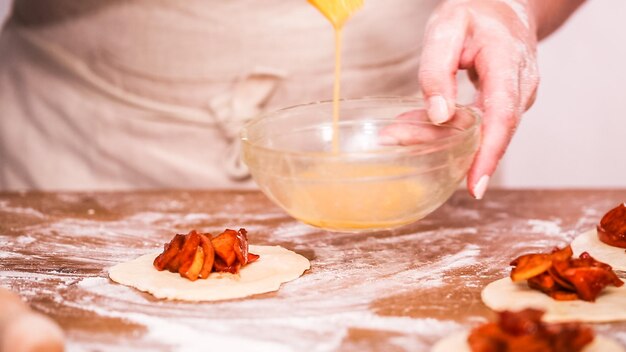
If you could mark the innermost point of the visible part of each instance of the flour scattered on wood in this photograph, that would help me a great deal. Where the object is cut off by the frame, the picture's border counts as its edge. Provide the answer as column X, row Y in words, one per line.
column 316, row 312
column 546, row 227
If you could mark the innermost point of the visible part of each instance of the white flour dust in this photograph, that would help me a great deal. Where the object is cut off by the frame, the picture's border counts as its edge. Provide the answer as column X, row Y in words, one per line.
column 322, row 328
column 589, row 219
column 546, row 227
column 6, row 207
column 319, row 308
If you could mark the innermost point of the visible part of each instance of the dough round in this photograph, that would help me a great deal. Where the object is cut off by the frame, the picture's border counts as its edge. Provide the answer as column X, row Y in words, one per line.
column 458, row 343
column 590, row 243
column 276, row 265
column 504, row 294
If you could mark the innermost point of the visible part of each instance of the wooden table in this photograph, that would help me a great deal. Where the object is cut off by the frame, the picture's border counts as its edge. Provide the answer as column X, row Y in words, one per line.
column 386, row 291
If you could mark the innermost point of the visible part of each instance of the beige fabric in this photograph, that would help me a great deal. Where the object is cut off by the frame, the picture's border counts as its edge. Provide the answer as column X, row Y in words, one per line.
column 125, row 94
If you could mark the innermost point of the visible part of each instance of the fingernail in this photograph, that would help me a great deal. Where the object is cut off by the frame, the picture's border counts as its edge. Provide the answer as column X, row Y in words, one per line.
column 388, row 140
column 437, row 109
column 481, row 187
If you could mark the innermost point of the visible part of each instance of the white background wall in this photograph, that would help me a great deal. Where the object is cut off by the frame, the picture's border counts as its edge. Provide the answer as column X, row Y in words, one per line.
column 575, row 135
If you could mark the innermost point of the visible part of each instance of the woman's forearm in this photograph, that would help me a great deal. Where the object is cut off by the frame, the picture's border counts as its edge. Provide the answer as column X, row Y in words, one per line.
column 551, row 14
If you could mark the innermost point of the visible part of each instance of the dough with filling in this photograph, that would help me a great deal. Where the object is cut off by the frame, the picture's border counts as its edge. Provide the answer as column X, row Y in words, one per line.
column 505, row 294
column 275, row 266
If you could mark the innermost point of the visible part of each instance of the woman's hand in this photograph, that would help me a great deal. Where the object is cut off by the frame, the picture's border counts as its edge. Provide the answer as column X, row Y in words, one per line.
column 496, row 40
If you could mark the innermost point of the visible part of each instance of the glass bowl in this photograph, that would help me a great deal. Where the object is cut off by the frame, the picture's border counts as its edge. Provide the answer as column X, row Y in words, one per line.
column 373, row 182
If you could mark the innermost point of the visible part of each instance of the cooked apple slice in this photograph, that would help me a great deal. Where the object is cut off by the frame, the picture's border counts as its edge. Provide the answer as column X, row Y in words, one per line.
column 224, row 246
column 530, row 265
column 220, row 266
column 612, row 227
column 187, row 254
column 557, row 270
column 193, row 271
column 564, row 295
column 252, row 257
column 588, row 281
column 209, row 255
column 170, row 251
column 585, row 275
column 543, row 282
column 241, row 247
column 562, row 254
column 586, row 260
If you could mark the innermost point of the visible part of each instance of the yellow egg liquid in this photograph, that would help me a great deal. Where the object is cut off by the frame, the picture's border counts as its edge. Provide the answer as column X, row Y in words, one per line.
column 355, row 197
column 337, row 12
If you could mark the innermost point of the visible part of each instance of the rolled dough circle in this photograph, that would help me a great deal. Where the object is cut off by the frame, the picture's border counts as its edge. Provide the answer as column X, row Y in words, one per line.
column 590, row 243
column 458, row 343
column 275, row 266
column 505, row 294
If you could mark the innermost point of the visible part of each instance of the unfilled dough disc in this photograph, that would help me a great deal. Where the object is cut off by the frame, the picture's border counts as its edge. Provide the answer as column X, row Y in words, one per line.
column 504, row 294
column 275, row 266
column 590, row 243
column 458, row 343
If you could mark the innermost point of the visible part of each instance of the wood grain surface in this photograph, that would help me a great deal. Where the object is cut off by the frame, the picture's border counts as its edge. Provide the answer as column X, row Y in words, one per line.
column 396, row 290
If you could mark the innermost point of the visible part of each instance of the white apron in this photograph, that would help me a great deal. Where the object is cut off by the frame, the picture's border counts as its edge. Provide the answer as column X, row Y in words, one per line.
column 135, row 94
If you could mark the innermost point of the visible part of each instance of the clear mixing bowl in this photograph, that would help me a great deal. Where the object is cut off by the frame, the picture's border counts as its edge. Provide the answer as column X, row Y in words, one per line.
column 372, row 182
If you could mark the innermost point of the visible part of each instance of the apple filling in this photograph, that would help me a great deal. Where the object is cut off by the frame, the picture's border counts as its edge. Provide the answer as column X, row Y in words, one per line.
column 196, row 255
column 612, row 227
column 524, row 331
column 563, row 277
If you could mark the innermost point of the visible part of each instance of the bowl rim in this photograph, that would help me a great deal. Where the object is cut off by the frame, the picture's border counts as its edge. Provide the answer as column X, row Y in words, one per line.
column 403, row 149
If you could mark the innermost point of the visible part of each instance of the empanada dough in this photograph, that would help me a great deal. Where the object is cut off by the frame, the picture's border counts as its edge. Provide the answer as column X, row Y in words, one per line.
column 590, row 243
column 504, row 294
column 458, row 343
column 275, row 266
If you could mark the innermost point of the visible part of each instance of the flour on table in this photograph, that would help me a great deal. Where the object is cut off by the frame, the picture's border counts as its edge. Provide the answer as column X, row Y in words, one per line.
column 590, row 243
column 275, row 266
column 318, row 312
column 543, row 226
column 5, row 207
column 505, row 294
